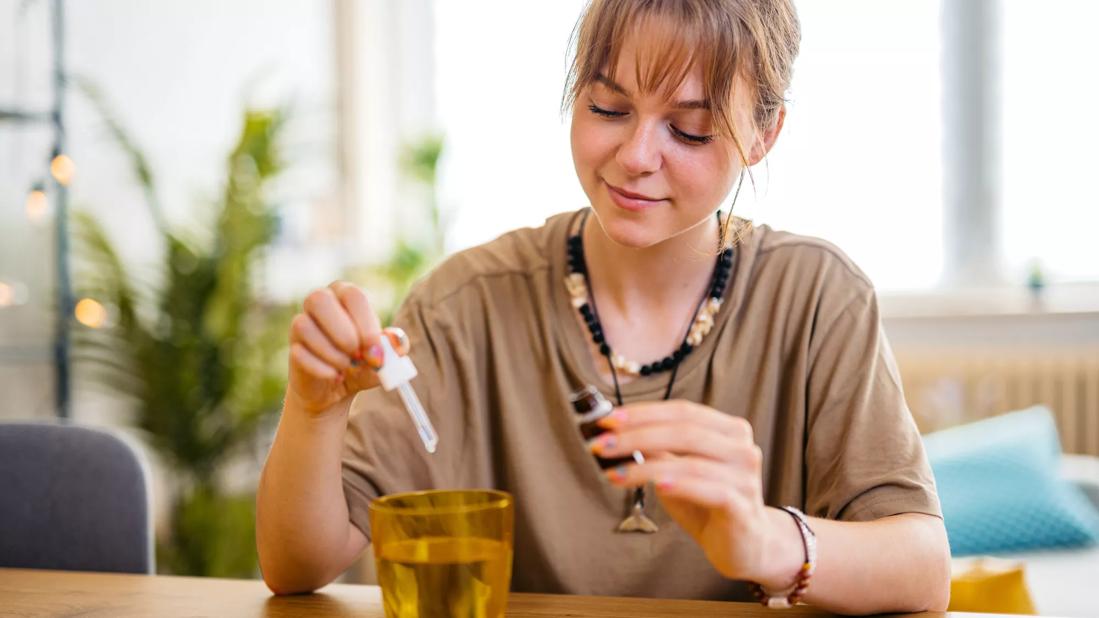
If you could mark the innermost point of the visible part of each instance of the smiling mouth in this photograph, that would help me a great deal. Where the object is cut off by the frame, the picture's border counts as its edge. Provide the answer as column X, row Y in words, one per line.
column 633, row 196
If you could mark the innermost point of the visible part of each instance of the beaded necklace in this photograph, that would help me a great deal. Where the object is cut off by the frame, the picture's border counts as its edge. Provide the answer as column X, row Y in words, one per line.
column 578, row 284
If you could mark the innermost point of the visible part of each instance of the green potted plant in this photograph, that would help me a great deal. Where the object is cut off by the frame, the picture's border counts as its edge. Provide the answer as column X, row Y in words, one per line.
column 200, row 355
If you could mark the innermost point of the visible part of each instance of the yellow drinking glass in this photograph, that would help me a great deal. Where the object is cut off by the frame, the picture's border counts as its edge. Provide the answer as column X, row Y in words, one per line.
column 444, row 553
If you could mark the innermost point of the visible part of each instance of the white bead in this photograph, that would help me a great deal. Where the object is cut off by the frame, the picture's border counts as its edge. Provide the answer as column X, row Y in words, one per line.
column 633, row 367
column 576, row 285
column 579, row 301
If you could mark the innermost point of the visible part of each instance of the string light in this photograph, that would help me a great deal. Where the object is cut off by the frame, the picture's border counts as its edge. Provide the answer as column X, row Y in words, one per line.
column 37, row 204
column 90, row 313
column 63, row 169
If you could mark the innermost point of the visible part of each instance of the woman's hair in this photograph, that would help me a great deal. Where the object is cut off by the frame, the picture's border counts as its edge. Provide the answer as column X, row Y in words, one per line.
column 734, row 42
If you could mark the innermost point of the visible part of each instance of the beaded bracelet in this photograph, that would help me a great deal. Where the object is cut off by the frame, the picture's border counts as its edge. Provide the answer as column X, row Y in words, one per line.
column 789, row 597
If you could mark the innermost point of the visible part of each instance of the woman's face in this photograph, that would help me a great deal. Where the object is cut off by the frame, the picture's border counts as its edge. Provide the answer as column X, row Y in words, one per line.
column 652, row 168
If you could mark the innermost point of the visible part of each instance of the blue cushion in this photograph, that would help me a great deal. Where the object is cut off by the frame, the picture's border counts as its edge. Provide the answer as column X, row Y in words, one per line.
column 1000, row 490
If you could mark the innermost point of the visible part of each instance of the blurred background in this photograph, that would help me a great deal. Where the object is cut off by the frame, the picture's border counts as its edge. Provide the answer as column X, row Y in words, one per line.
column 176, row 176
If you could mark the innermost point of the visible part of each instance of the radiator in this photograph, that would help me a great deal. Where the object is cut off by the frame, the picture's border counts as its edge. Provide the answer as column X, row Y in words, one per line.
column 946, row 387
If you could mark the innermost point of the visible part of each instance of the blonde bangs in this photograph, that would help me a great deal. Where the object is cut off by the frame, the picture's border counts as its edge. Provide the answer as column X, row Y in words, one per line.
column 746, row 43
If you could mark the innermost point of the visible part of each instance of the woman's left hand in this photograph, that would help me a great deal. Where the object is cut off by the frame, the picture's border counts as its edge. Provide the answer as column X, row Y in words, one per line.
column 708, row 474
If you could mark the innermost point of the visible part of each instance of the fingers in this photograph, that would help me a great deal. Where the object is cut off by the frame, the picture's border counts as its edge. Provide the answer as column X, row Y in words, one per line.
column 653, row 440
column 333, row 320
column 676, row 427
column 705, row 492
column 309, row 363
column 677, row 413
column 339, row 327
column 363, row 318
column 305, row 331
column 667, row 469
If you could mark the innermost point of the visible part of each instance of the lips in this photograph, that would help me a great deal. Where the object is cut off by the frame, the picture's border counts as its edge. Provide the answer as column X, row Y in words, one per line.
column 628, row 200
column 632, row 195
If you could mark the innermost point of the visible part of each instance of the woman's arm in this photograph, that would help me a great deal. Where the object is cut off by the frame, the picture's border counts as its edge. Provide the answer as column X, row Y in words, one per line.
column 708, row 475
column 894, row 564
column 303, row 531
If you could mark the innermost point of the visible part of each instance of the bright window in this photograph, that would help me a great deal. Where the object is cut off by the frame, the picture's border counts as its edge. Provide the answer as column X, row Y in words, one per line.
column 858, row 163
column 1050, row 93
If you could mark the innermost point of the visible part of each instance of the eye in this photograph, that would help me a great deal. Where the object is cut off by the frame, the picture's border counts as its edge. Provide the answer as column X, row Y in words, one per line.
column 692, row 139
column 606, row 113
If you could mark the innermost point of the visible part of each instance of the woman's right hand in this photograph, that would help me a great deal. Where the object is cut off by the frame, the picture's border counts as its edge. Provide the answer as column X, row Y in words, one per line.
column 334, row 348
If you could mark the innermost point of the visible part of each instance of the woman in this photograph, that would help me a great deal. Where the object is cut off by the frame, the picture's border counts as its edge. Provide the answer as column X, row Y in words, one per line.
column 748, row 364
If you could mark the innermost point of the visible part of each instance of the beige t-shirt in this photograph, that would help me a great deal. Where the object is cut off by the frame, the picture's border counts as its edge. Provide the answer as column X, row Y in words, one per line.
column 797, row 349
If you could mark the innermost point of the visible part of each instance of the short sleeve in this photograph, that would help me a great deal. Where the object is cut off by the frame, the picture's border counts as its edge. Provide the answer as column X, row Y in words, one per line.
column 382, row 452
column 864, row 455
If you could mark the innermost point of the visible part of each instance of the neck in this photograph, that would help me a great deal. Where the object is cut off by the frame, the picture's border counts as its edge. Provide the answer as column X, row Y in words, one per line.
column 636, row 282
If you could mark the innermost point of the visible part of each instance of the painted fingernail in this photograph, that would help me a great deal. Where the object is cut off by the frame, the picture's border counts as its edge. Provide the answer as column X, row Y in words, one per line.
column 617, row 474
column 602, row 443
column 398, row 339
column 664, row 482
column 375, row 356
column 612, row 420
column 339, row 378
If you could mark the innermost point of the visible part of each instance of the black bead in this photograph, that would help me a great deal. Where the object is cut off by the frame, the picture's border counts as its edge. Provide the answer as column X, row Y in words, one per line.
column 576, row 241
column 678, row 355
column 727, row 257
column 686, row 348
column 667, row 363
column 646, row 370
column 604, row 349
column 598, row 339
column 585, row 310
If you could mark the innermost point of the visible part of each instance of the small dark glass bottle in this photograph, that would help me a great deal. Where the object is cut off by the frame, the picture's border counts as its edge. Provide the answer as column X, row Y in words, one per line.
column 590, row 405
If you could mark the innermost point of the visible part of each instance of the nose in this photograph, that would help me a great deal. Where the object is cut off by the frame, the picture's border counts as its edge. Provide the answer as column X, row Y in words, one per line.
column 640, row 154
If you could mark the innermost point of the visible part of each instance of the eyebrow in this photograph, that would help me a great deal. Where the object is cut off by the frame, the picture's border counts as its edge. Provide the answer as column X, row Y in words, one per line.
column 691, row 104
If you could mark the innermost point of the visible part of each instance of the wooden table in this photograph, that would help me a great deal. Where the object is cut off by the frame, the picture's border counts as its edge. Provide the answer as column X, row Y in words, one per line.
column 26, row 592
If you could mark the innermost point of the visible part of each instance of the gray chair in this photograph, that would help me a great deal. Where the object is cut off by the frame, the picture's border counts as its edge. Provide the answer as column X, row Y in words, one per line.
column 72, row 498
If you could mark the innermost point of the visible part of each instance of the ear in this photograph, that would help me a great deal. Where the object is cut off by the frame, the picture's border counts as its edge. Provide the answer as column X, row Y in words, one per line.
column 766, row 139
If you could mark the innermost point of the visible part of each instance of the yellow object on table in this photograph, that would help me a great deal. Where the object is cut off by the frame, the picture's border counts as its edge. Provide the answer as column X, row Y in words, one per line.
column 989, row 585
column 444, row 553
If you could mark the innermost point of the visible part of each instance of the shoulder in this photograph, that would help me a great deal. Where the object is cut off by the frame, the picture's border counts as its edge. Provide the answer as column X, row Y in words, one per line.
column 806, row 260
column 512, row 258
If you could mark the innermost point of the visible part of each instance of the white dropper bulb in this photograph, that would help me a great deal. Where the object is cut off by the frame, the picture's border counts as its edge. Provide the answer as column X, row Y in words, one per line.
column 397, row 372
